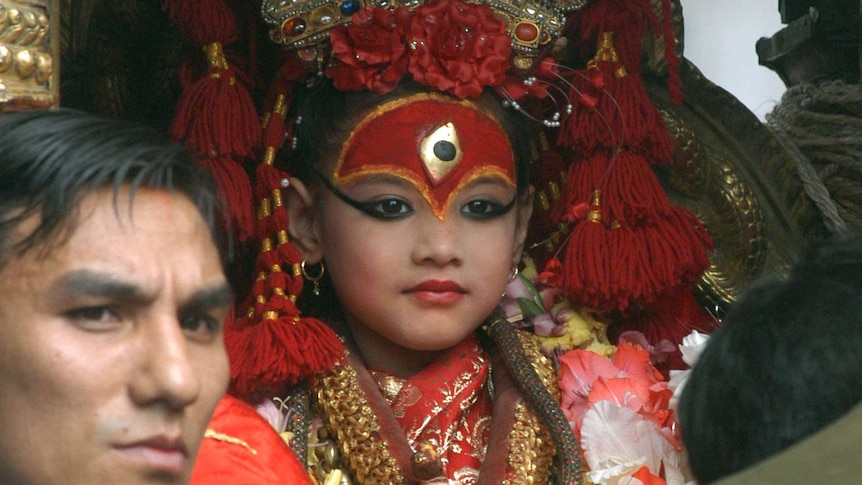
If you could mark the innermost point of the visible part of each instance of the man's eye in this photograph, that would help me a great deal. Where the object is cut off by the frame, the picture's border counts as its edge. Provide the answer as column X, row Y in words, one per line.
column 201, row 325
column 484, row 209
column 389, row 208
column 95, row 317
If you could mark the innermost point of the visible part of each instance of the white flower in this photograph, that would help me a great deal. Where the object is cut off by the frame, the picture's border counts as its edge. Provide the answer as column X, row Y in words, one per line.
column 691, row 348
column 618, row 441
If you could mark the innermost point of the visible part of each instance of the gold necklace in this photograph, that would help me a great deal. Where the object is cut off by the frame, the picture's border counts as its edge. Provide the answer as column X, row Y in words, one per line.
column 348, row 415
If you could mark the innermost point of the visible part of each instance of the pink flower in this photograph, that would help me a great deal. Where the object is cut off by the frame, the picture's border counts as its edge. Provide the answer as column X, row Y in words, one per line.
column 628, row 380
column 635, row 361
column 579, row 369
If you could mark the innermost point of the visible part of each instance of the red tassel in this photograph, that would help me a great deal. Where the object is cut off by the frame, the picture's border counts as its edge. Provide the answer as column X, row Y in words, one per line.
column 623, row 115
column 661, row 256
column 634, row 192
column 275, row 352
column 216, row 113
column 586, row 265
column 271, row 345
column 234, row 186
column 204, row 21
column 635, row 246
column 674, row 85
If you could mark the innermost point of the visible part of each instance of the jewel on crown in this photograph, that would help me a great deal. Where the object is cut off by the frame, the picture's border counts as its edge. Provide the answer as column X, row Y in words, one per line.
column 304, row 25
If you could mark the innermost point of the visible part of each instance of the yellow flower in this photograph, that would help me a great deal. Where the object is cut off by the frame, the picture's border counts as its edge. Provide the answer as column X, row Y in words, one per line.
column 579, row 330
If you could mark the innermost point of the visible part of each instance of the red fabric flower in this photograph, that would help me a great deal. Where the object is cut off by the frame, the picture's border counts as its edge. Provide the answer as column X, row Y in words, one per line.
column 545, row 75
column 458, row 47
column 552, row 274
column 371, row 52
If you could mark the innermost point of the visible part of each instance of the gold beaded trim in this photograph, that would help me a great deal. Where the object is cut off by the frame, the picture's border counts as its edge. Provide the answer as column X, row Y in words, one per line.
column 543, row 365
column 347, row 414
column 531, row 449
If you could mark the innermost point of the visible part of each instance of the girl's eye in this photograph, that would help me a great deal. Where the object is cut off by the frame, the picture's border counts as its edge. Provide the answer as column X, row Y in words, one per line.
column 484, row 209
column 388, row 208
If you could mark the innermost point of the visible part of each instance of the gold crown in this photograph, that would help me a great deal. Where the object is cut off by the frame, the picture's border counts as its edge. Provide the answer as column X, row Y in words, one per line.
column 305, row 24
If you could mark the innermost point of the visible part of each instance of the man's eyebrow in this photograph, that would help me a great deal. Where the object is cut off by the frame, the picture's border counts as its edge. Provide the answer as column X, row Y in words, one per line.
column 86, row 282
column 217, row 296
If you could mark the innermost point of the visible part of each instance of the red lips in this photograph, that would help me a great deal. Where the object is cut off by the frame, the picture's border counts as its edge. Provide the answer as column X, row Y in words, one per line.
column 437, row 286
column 437, row 292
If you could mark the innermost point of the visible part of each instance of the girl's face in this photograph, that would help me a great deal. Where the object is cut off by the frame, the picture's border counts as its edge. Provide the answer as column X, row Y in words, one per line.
column 419, row 259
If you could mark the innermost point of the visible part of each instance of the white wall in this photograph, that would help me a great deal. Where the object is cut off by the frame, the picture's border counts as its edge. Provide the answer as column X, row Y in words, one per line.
column 719, row 39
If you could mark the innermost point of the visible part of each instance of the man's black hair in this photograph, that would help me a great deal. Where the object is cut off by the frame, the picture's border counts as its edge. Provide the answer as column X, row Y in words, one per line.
column 51, row 159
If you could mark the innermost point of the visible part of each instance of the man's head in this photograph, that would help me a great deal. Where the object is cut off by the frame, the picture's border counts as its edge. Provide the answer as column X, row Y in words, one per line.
column 786, row 362
column 112, row 300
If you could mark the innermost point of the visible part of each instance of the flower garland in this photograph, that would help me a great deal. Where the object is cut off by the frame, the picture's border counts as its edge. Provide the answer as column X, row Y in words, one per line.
column 620, row 406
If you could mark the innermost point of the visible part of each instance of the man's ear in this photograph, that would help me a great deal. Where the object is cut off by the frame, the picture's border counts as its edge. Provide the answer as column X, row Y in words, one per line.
column 524, row 206
column 304, row 227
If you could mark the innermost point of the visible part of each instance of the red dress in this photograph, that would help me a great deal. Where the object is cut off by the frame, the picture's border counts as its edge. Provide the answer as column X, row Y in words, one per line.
column 241, row 448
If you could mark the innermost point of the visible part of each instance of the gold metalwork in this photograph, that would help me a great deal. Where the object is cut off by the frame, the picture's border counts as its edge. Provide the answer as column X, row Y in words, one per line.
column 606, row 52
column 29, row 54
column 531, row 449
column 348, row 416
column 436, row 167
column 729, row 170
column 595, row 213
column 304, row 25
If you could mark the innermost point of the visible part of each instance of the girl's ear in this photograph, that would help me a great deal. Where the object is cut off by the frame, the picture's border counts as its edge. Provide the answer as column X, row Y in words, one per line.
column 525, row 211
column 303, row 229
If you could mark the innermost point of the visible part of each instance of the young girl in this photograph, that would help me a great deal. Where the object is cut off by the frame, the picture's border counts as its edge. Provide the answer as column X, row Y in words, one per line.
column 402, row 195
column 410, row 209
column 414, row 206
column 418, row 213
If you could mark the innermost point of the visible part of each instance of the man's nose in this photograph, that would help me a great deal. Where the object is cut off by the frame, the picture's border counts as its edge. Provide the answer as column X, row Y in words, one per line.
column 165, row 372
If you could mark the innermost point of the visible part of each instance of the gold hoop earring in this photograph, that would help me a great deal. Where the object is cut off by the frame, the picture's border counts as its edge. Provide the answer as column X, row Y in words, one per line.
column 514, row 272
column 315, row 280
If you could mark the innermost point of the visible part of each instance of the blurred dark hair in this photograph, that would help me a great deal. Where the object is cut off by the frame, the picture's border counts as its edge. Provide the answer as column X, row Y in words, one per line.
column 786, row 361
column 51, row 159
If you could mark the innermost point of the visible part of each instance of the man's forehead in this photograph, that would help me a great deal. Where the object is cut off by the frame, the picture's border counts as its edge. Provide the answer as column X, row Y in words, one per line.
column 99, row 230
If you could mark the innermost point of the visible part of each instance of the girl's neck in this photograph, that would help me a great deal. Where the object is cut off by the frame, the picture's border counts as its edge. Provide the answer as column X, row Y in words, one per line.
column 380, row 353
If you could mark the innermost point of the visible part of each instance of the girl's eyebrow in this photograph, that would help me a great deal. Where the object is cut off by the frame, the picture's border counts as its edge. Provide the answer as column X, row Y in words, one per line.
column 383, row 178
column 489, row 180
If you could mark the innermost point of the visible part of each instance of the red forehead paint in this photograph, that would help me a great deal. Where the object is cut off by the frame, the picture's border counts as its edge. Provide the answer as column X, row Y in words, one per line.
column 437, row 144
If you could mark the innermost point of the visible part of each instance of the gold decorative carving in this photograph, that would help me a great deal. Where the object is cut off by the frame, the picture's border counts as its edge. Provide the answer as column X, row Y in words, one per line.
column 29, row 51
column 730, row 171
